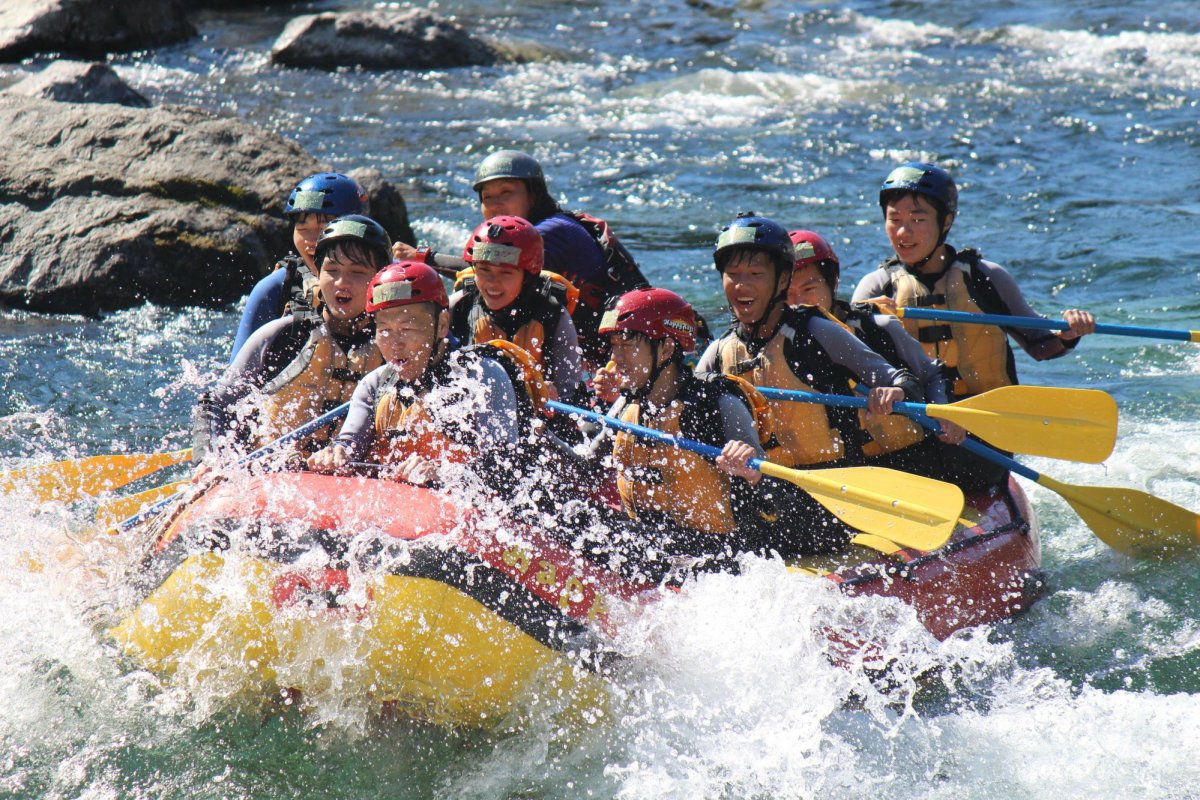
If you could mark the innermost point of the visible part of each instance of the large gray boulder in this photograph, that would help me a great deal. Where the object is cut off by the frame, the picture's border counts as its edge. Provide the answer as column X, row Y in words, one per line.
column 89, row 28
column 380, row 39
column 103, row 206
column 79, row 82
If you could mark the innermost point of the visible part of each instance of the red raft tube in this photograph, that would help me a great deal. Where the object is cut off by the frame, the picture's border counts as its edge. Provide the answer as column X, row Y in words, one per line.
column 427, row 608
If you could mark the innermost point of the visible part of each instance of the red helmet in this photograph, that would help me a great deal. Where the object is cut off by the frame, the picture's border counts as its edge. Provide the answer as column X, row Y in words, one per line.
column 506, row 240
column 654, row 313
column 405, row 283
column 812, row 248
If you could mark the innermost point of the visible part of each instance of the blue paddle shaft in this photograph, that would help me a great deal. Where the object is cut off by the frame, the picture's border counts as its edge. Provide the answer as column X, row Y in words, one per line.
column 904, row 407
column 642, row 431
column 1038, row 323
column 266, row 449
column 983, row 451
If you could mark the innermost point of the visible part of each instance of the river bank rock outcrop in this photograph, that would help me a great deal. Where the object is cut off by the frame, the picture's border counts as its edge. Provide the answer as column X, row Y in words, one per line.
column 79, row 82
column 89, row 28
column 380, row 39
column 104, row 206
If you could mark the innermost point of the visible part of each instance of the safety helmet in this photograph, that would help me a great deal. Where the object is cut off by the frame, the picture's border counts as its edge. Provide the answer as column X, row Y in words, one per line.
column 325, row 193
column 654, row 313
column 508, row 164
column 405, row 283
column 812, row 248
column 925, row 179
column 749, row 230
column 506, row 240
column 355, row 227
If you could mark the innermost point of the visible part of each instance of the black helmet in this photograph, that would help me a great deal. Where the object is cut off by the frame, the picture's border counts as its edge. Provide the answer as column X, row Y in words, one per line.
column 922, row 178
column 508, row 164
column 356, row 227
column 759, row 233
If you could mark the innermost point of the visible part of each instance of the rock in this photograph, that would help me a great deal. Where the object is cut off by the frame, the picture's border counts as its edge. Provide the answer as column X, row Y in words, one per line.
column 104, row 206
column 79, row 82
column 379, row 39
column 89, row 28
column 387, row 204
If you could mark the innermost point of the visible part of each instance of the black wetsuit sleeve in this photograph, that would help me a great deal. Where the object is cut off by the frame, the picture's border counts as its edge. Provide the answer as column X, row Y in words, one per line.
column 215, row 422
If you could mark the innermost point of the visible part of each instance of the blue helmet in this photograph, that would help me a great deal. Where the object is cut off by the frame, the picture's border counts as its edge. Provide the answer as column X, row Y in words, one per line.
column 325, row 193
column 758, row 233
column 926, row 179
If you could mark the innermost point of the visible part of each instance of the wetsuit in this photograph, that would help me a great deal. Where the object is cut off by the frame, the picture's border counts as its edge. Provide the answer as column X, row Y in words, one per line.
column 290, row 281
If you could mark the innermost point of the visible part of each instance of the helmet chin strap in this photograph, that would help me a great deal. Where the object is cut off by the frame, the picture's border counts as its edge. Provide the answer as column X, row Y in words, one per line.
column 656, row 372
column 435, row 344
column 780, row 298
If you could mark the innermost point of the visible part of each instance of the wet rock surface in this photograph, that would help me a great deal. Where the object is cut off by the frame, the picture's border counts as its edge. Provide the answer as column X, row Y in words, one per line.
column 88, row 28
column 104, row 206
column 380, row 39
column 79, row 82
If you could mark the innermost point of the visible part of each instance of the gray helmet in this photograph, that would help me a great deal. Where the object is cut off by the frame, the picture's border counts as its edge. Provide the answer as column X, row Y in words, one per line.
column 508, row 164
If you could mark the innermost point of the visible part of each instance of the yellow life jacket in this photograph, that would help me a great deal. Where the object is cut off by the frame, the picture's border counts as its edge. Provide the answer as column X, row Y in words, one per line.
column 471, row 321
column 977, row 357
column 890, row 432
column 659, row 478
column 804, row 432
column 403, row 427
column 319, row 379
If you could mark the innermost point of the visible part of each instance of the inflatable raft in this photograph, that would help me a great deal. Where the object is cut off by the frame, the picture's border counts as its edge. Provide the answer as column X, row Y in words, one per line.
column 318, row 584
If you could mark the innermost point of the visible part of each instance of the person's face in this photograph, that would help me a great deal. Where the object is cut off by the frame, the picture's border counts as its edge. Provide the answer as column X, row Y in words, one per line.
column 750, row 284
column 633, row 357
column 809, row 288
column 499, row 284
column 305, row 233
column 405, row 337
column 344, row 286
column 505, row 196
column 912, row 227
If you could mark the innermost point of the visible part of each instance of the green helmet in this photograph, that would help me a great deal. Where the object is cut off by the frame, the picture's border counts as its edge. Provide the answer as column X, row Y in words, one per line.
column 508, row 164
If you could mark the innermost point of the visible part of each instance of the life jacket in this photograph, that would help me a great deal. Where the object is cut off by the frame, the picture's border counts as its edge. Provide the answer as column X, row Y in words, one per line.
column 655, row 479
column 300, row 286
column 404, row 427
column 534, row 324
column 977, row 357
column 320, row 378
column 885, row 433
column 621, row 270
column 805, row 433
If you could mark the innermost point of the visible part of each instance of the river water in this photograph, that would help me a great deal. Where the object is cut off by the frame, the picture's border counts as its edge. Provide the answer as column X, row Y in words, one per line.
column 1072, row 129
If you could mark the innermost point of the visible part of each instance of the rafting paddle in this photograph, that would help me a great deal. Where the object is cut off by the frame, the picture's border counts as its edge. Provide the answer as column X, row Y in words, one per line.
column 266, row 449
column 864, row 498
column 1073, row 424
column 87, row 477
column 1040, row 323
column 1131, row 521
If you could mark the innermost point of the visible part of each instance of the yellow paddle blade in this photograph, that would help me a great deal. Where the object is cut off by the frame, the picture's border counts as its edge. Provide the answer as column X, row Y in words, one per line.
column 910, row 510
column 87, row 477
column 1073, row 424
column 118, row 508
column 1131, row 521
